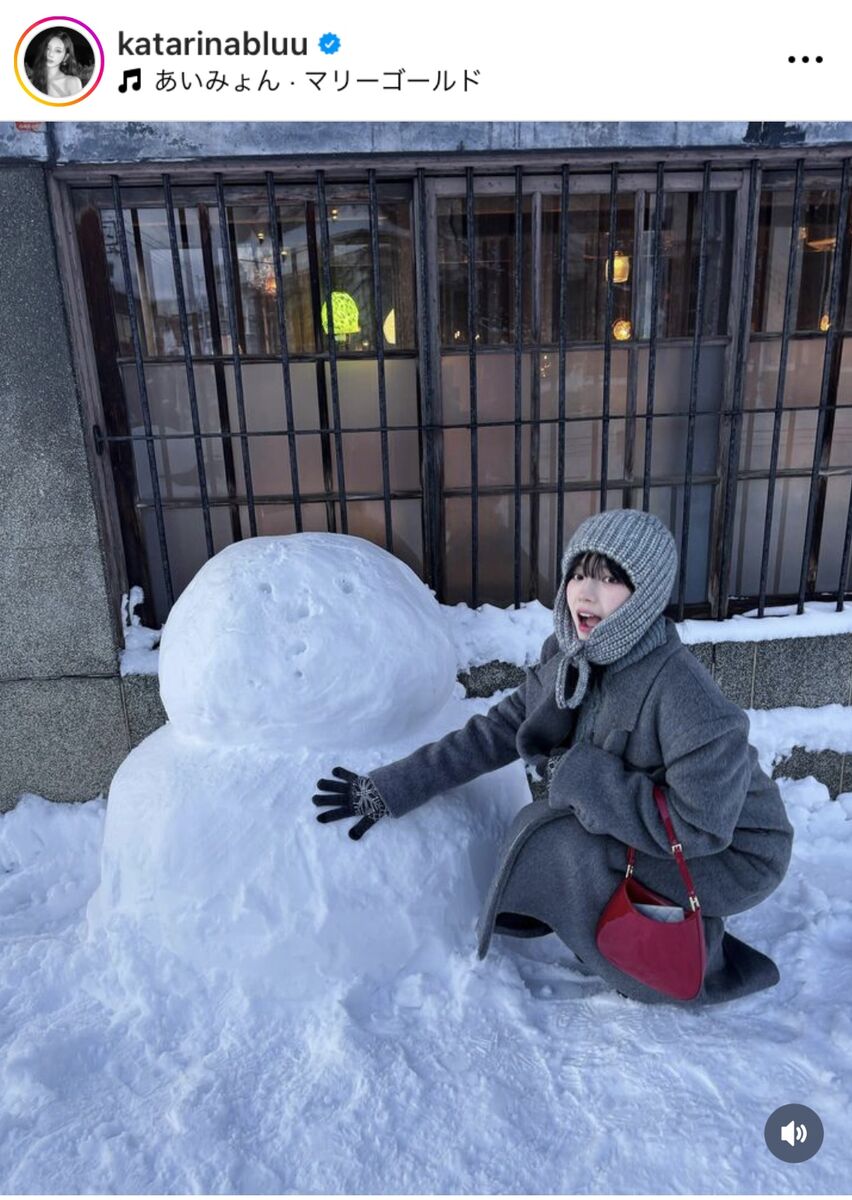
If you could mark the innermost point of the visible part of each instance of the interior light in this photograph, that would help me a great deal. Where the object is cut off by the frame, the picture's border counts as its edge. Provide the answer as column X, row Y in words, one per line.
column 821, row 245
column 344, row 312
column 620, row 268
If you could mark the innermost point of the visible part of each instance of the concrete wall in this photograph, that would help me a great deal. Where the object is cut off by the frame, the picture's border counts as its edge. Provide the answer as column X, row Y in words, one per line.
column 135, row 141
column 62, row 724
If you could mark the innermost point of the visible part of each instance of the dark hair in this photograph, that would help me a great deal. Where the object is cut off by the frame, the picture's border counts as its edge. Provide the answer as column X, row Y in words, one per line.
column 68, row 66
column 597, row 565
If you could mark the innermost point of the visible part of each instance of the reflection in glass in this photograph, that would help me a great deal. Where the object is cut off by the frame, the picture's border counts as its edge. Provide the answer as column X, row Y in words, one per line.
column 590, row 242
column 814, row 260
column 589, row 245
column 494, row 269
column 256, row 280
column 786, row 540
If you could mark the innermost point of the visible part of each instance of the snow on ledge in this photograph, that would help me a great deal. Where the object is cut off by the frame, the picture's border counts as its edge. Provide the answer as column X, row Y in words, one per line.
column 776, row 732
column 820, row 619
column 516, row 636
column 140, row 655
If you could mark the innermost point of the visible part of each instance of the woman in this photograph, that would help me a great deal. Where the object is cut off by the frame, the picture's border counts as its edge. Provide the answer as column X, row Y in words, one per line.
column 616, row 705
column 55, row 70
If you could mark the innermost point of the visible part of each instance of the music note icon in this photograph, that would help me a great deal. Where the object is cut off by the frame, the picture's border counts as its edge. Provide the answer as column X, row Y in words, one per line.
column 134, row 77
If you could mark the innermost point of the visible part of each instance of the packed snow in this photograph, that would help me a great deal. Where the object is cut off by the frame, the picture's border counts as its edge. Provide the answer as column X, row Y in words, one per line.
column 819, row 619
column 272, row 643
column 140, row 655
column 778, row 731
column 251, row 1002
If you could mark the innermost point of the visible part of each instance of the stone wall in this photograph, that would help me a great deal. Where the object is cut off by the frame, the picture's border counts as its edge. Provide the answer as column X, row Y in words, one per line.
column 63, row 729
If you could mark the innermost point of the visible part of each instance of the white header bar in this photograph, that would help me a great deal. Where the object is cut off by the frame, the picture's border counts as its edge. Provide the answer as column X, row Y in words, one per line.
column 434, row 61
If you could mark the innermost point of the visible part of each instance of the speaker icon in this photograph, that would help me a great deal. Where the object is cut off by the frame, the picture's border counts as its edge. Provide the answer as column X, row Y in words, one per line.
column 792, row 1133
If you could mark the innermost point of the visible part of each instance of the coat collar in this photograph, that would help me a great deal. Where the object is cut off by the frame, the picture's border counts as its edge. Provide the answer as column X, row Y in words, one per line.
column 622, row 696
column 624, row 692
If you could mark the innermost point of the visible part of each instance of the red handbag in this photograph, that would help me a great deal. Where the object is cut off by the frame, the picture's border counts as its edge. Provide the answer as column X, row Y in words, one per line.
column 667, row 956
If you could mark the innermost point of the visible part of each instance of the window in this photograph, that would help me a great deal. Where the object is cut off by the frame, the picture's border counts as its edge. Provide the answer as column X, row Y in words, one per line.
column 357, row 356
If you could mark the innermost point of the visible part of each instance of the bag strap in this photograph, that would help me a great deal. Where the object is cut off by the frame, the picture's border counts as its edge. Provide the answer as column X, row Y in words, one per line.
column 676, row 848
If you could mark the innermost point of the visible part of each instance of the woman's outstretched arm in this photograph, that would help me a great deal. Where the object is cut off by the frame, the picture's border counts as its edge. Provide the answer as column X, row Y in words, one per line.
column 487, row 742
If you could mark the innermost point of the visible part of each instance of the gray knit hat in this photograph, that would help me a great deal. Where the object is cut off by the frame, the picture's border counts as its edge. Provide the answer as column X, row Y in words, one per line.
column 643, row 547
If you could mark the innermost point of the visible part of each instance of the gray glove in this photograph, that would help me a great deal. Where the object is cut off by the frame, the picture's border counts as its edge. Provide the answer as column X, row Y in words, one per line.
column 350, row 795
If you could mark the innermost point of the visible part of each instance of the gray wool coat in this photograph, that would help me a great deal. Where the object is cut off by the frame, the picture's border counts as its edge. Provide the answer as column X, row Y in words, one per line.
column 661, row 720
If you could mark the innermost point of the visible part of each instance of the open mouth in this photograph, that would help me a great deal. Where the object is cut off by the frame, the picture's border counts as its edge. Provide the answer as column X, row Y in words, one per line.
column 586, row 621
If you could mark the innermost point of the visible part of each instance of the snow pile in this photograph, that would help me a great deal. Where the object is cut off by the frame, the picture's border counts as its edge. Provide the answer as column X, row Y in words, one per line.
column 283, row 658
column 48, row 861
column 215, row 853
column 140, row 655
column 487, row 633
column 278, row 640
column 776, row 732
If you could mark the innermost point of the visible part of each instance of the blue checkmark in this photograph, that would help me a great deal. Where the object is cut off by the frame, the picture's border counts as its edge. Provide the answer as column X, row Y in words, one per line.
column 329, row 43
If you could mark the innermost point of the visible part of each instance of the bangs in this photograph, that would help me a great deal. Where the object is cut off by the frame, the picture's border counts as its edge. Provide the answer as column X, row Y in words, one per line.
column 596, row 566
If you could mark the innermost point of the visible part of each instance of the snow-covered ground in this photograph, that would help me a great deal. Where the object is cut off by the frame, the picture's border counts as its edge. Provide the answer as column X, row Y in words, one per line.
column 204, row 990
column 122, row 1070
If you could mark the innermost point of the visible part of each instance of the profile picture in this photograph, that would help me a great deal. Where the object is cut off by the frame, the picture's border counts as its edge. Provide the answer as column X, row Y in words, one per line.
column 59, row 61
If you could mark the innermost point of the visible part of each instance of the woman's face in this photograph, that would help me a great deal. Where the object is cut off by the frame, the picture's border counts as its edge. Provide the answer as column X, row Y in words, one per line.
column 591, row 600
column 55, row 52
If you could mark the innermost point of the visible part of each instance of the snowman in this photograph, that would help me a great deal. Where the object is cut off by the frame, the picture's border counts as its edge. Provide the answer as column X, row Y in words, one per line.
column 282, row 658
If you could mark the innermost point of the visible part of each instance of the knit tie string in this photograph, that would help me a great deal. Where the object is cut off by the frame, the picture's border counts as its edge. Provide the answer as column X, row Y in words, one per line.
column 581, row 662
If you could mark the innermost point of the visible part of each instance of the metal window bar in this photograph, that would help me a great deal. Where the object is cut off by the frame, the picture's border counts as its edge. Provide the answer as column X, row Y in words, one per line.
column 563, row 303
column 473, row 323
column 233, row 325
column 430, row 426
column 143, row 388
column 431, row 445
column 286, row 498
column 318, row 359
column 580, row 418
column 281, row 313
column 793, row 258
column 610, row 308
column 693, row 392
column 518, row 359
column 652, row 343
column 379, row 342
column 828, row 386
column 736, row 406
column 535, row 393
column 844, row 558
column 205, row 234
column 325, row 254
column 187, row 358
column 631, row 405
